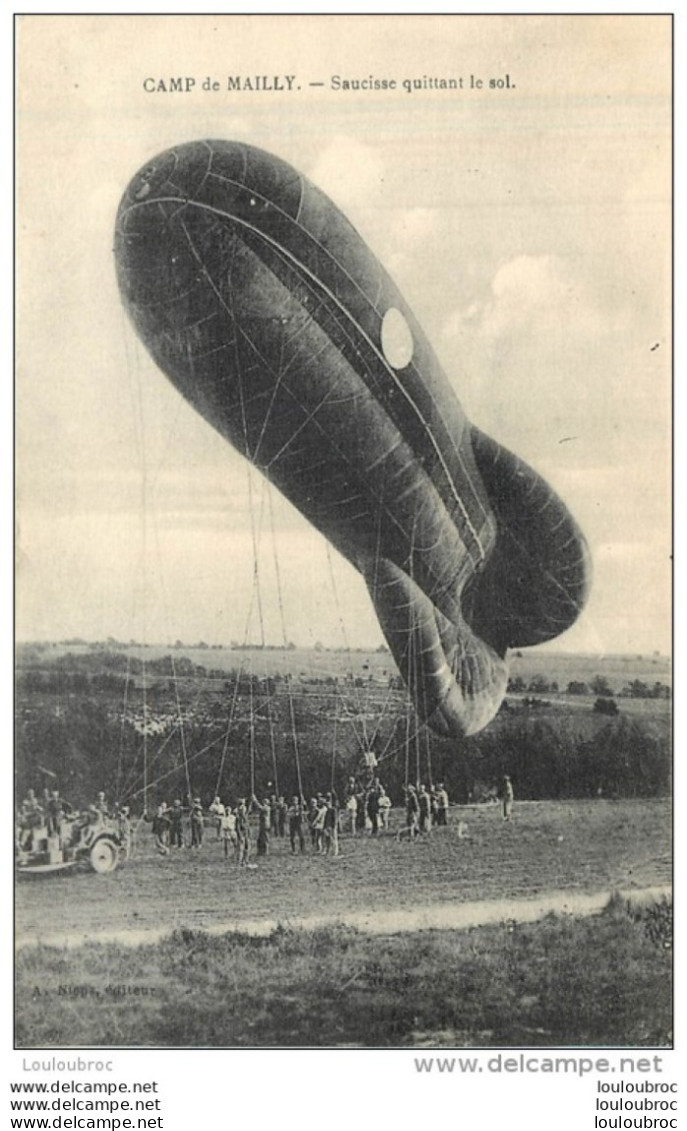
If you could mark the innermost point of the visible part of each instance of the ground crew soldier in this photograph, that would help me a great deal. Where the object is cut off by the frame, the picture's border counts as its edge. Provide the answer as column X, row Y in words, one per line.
column 160, row 823
column 264, row 811
column 384, row 808
column 217, row 811
column 31, row 817
column 441, row 797
column 296, row 816
column 274, row 814
column 331, row 825
column 100, row 805
column 507, row 797
column 242, row 833
column 228, row 830
column 58, row 808
column 412, row 810
column 425, row 809
column 176, row 826
column 317, row 820
column 124, row 829
column 196, row 823
column 372, row 807
column 282, row 810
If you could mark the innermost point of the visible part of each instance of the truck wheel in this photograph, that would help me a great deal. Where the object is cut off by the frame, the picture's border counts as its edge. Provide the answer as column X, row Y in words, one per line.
column 103, row 855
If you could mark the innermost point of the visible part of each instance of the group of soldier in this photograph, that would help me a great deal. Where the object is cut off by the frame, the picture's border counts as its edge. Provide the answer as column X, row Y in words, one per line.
column 425, row 808
column 313, row 825
column 316, row 821
column 364, row 808
column 51, row 811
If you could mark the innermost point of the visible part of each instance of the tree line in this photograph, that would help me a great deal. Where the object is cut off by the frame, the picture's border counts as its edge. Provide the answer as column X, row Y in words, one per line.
column 87, row 743
column 598, row 685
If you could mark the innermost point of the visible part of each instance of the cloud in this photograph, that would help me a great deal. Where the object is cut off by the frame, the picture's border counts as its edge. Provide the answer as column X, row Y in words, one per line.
column 411, row 226
column 349, row 171
column 544, row 295
column 544, row 291
column 522, row 288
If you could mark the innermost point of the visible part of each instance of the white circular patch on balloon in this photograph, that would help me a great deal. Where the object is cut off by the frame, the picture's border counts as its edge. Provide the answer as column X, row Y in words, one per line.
column 397, row 340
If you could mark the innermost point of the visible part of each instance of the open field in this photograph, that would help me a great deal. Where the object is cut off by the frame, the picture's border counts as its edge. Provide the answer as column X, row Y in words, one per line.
column 563, row 667
column 576, row 846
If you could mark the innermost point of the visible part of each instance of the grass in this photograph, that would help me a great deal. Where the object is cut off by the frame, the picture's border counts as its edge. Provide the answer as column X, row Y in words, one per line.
column 601, row 981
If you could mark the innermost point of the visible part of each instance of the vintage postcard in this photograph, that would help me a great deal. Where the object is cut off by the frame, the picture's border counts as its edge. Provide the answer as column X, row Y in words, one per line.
column 343, row 586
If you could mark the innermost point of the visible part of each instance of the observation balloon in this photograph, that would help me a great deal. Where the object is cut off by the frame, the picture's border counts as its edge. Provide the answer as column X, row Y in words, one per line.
column 268, row 312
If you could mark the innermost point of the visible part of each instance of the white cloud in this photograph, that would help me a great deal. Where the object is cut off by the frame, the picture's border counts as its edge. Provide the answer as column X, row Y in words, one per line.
column 411, row 226
column 544, row 294
column 349, row 171
column 544, row 289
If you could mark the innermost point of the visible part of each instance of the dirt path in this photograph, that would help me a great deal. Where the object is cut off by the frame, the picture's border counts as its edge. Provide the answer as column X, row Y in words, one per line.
column 387, row 921
column 555, row 856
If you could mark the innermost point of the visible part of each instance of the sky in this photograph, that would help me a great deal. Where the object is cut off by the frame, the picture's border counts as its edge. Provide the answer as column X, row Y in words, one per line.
column 528, row 227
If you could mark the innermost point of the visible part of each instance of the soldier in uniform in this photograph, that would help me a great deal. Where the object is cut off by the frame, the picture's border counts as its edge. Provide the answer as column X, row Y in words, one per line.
column 317, row 820
column 507, row 797
column 331, row 825
column 100, row 805
column 441, row 797
column 242, row 833
column 196, row 823
column 218, row 812
column 264, row 811
column 412, row 810
column 31, row 817
column 425, row 809
column 384, row 805
column 124, row 830
column 58, row 809
column 274, row 814
column 282, row 811
column 372, row 807
column 161, row 824
column 176, row 825
column 228, row 829
column 296, row 816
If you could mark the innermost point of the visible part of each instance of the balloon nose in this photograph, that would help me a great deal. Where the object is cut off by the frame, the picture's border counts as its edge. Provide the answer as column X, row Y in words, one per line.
column 152, row 178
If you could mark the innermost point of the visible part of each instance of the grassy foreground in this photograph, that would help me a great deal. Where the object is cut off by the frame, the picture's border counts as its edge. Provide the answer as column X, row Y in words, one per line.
column 600, row 981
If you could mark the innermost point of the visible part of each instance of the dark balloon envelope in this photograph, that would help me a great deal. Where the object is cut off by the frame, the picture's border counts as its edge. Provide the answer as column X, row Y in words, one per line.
column 264, row 306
